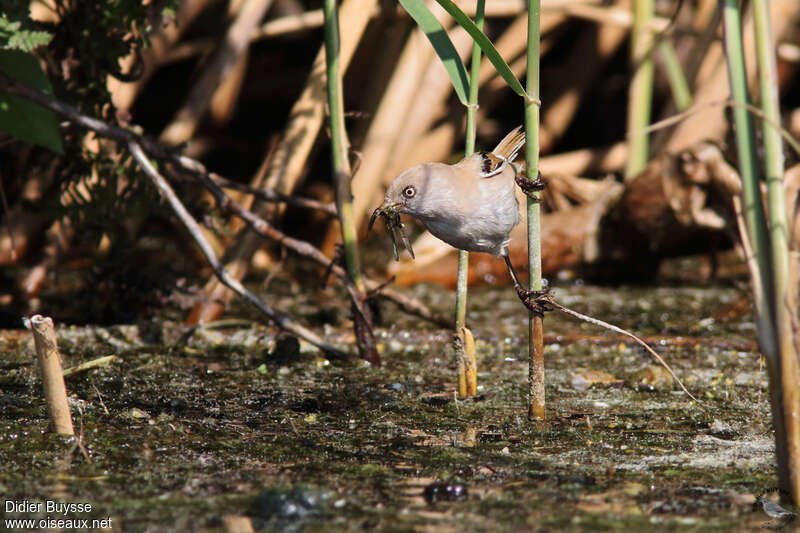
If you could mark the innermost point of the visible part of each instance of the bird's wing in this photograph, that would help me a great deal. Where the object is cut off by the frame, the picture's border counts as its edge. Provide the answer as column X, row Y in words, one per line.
column 511, row 144
column 491, row 164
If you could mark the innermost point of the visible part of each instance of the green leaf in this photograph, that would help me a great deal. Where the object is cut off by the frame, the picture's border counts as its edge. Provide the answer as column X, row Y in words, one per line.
column 22, row 118
column 486, row 45
column 15, row 32
column 442, row 44
column 29, row 40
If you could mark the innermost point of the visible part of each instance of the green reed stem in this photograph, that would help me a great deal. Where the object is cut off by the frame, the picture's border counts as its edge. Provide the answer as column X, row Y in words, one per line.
column 746, row 149
column 340, row 145
column 681, row 93
column 536, row 399
column 469, row 148
column 783, row 300
column 640, row 97
column 773, row 146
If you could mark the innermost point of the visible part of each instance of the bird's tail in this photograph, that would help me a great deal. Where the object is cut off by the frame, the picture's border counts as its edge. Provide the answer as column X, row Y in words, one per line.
column 511, row 144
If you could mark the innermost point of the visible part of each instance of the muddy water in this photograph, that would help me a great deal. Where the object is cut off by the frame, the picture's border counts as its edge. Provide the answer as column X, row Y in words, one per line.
column 195, row 429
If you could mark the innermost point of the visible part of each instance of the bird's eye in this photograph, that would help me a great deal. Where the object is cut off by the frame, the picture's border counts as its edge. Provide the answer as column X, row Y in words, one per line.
column 409, row 191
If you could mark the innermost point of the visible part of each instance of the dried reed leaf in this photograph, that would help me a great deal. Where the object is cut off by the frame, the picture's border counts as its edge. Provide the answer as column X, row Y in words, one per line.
column 579, row 74
column 442, row 44
column 709, row 121
column 235, row 44
column 308, row 113
column 387, row 123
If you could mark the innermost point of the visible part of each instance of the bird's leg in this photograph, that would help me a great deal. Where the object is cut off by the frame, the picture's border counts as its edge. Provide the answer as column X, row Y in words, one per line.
column 535, row 300
column 530, row 186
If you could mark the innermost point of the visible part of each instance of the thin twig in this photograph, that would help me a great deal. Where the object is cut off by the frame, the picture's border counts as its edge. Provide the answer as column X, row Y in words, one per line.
column 616, row 329
column 88, row 365
column 267, row 230
column 266, row 194
column 294, row 428
column 749, row 253
column 678, row 117
column 100, row 398
column 197, row 170
column 79, row 440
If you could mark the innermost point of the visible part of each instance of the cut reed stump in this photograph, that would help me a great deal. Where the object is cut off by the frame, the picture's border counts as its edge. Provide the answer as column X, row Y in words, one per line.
column 55, row 392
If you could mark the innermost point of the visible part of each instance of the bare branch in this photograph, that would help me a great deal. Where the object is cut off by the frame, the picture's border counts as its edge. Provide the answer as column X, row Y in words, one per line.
column 193, row 227
column 266, row 194
column 198, row 171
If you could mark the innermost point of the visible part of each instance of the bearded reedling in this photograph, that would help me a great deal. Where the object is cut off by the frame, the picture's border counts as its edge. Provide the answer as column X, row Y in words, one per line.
column 470, row 205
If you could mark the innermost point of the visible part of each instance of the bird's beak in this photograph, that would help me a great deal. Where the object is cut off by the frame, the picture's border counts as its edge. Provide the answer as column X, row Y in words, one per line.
column 385, row 207
column 391, row 206
column 392, row 210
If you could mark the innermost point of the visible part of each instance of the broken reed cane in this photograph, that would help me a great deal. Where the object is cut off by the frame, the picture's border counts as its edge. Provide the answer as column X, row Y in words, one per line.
column 55, row 392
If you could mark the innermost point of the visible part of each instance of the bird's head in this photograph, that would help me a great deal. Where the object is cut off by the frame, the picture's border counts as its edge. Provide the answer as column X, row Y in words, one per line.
column 417, row 191
column 406, row 192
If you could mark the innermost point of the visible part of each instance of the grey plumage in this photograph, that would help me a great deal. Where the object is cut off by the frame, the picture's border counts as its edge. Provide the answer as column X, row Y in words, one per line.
column 470, row 205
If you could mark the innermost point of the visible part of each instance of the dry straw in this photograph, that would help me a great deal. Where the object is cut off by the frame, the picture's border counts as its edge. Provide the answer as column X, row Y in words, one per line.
column 55, row 392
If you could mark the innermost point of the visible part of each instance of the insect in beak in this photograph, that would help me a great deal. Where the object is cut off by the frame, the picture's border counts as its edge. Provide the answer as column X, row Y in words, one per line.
column 395, row 227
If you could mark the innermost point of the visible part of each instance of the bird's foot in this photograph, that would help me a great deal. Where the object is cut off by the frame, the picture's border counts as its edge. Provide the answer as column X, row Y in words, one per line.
column 537, row 301
column 529, row 186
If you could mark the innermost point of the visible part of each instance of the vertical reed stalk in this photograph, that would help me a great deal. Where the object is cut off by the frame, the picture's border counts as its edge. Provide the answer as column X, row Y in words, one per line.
column 640, row 97
column 339, row 144
column 362, row 318
column 681, row 93
column 467, row 367
column 748, row 169
column 536, row 399
column 783, row 298
column 474, row 82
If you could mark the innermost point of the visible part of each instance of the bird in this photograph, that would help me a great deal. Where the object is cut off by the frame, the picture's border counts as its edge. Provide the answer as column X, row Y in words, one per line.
column 471, row 205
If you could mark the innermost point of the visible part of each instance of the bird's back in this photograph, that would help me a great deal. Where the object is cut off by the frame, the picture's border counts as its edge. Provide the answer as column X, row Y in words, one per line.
column 491, row 204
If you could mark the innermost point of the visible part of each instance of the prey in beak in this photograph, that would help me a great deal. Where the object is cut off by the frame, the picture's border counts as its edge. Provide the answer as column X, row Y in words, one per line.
column 394, row 225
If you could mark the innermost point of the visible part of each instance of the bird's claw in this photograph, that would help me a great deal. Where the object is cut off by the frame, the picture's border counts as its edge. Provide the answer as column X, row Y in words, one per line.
column 537, row 301
column 529, row 186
